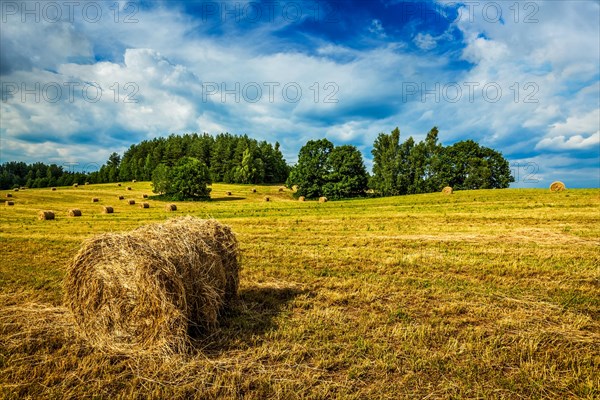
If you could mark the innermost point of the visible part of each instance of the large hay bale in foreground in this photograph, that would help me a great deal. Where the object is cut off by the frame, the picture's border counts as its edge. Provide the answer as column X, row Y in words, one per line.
column 447, row 190
column 557, row 186
column 142, row 291
column 74, row 212
column 45, row 215
column 107, row 210
column 171, row 207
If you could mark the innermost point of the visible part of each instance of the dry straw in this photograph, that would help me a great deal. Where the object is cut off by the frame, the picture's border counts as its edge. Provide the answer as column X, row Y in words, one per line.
column 9, row 195
column 74, row 212
column 447, row 190
column 301, row 198
column 9, row 203
column 107, row 210
column 145, row 205
column 171, row 207
column 557, row 186
column 131, row 202
column 95, row 199
column 323, row 199
column 142, row 291
column 45, row 215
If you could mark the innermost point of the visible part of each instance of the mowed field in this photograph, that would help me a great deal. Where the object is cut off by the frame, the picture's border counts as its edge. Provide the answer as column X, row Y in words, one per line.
column 481, row 294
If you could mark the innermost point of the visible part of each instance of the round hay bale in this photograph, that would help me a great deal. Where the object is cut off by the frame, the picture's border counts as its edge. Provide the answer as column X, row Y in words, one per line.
column 281, row 189
column 142, row 291
column 144, row 196
column 9, row 195
column 9, row 203
column 171, row 207
column 145, row 205
column 45, row 215
column 121, row 197
column 107, row 210
column 128, row 187
column 557, row 186
column 301, row 198
column 267, row 198
column 16, row 189
column 133, row 181
column 228, row 193
column 118, row 184
column 253, row 190
column 323, row 199
column 447, row 190
column 95, row 199
column 75, row 185
column 53, row 189
column 131, row 202
column 74, row 212
column 87, row 183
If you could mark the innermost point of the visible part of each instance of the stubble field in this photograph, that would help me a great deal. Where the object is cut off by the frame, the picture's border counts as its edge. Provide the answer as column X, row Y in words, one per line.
column 481, row 294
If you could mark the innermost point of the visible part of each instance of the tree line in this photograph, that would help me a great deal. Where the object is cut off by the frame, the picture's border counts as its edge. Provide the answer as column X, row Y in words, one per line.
column 181, row 166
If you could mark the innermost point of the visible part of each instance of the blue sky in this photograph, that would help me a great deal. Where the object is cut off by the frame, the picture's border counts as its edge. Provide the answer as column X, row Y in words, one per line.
column 81, row 81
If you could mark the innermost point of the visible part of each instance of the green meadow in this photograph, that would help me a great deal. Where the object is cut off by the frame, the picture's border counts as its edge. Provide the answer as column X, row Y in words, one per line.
column 478, row 294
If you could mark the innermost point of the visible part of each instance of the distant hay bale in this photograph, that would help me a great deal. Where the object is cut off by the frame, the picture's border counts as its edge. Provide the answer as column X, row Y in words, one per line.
column 45, row 215
column 16, row 189
column 128, row 187
column 267, row 198
column 53, row 189
column 9, row 195
column 557, row 186
column 323, row 199
column 9, row 203
column 121, row 197
column 75, row 185
column 142, row 291
column 107, row 210
column 253, row 190
column 133, row 181
column 171, row 207
column 95, row 199
column 301, row 198
column 145, row 205
column 87, row 183
column 131, row 202
column 281, row 189
column 228, row 193
column 74, row 212
column 447, row 190
column 144, row 196
column 118, row 184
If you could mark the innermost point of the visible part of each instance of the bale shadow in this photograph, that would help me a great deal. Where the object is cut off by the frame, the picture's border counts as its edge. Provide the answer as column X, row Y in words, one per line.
column 246, row 320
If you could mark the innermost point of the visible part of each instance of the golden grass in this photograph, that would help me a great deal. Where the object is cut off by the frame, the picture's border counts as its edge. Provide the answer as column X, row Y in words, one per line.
column 482, row 294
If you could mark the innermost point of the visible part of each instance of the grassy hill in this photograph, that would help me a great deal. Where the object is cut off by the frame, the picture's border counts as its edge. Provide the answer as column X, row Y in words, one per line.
column 492, row 293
